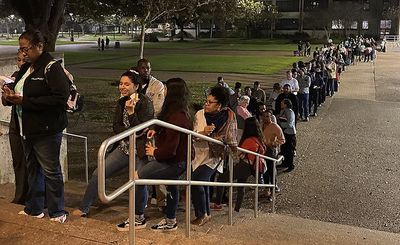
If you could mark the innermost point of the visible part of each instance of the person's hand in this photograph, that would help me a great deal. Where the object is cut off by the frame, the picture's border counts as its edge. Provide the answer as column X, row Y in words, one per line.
column 129, row 106
column 150, row 133
column 135, row 175
column 150, row 149
column 209, row 129
column 10, row 96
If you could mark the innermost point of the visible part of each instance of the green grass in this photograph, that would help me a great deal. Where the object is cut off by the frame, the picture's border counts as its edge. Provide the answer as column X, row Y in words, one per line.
column 208, row 63
column 72, row 58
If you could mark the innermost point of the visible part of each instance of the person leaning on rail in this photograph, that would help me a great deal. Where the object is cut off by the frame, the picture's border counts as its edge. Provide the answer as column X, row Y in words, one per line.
column 168, row 157
column 132, row 109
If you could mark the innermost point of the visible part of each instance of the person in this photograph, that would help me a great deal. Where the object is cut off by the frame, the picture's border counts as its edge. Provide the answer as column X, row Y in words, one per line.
column 107, row 41
column 252, row 140
column 257, row 93
column 294, row 85
column 276, row 91
column 17, row 153
column 40, row 115
column 234, row 98
column 102, row 44
column 151, row 86
column 303, row 95
column 287, row 123
column 253, row 106
column 154, row 89
column 98, row 43
column 169, row 156
column 287, row 94
column 132, row 109
column 331, row 69
column 217, row 121
column 242, row 114
column 220, row 82
column 274, row 138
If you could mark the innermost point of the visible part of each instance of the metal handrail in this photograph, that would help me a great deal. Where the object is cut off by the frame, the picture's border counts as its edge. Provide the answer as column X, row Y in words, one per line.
column 85, row 139
column 131, row 133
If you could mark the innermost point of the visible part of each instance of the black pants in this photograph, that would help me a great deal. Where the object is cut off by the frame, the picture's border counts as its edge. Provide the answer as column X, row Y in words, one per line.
column 20, row 170
column 314, row 100
column 287, row 150
column 269, row 174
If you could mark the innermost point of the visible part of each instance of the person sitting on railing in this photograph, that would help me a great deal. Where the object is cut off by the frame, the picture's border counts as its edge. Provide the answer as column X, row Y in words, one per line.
column 132, row 109
column 252, row 140
column 169, row 156
column 217, row 121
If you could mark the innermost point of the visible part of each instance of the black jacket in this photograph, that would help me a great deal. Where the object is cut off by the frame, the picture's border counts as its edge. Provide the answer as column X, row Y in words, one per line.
column 44, row 100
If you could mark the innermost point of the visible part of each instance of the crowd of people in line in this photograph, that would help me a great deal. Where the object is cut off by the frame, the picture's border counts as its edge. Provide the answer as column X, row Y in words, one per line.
column 250, row 118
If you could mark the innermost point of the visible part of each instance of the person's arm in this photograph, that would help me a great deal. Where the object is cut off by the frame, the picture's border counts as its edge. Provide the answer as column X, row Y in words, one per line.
column 143, row 112
column 158, row 97
column 251, row 145
column 280, row 138
column 118, row 125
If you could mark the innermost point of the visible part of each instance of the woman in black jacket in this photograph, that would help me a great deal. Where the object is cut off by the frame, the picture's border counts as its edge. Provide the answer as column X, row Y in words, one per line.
column 40, row 117
column 133, row 108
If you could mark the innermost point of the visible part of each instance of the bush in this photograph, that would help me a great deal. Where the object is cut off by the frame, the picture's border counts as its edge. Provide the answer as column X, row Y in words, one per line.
column 148, row 37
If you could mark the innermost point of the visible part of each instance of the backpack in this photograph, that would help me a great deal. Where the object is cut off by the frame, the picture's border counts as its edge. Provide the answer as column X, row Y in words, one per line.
column 75, row 100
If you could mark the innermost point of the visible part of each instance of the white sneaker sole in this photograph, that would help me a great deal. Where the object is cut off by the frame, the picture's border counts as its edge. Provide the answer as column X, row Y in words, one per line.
column 39, row 216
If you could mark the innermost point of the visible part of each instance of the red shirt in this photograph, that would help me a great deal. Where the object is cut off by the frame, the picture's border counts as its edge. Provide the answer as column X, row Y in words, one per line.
column 253, row 144
column 172, row 145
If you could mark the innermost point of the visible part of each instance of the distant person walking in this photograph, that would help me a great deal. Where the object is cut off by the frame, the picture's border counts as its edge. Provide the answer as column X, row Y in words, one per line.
column 102, row 44
column 98, row 43
column 107, row 41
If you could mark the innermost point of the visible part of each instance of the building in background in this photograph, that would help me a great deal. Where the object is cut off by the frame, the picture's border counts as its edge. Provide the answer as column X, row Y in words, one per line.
column 371, row 17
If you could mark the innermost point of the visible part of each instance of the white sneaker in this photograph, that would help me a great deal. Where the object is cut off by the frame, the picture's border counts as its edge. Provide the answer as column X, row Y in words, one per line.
column 60, row 219
column 39, row 216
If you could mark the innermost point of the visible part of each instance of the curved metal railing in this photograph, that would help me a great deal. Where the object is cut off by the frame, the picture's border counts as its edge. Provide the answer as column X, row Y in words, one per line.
column 130, row 185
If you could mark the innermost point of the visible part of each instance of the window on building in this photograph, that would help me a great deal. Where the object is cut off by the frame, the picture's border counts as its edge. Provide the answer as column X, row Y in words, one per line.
column 337, row 25
column 386, row 24
column 287, row 5
column 365, row 25
column 354, row 25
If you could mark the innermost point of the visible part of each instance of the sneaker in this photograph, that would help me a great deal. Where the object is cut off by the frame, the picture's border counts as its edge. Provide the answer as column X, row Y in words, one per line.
column 139, row 224
column 39, row 216
column 201, row 221
column 277, row 189
column 79, row 213
column 216, row 207
column 164, row 226
column 60, row 219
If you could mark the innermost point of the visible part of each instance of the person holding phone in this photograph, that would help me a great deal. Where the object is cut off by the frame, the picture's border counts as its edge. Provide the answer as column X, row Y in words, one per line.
column 133, row 108
column 15, row 139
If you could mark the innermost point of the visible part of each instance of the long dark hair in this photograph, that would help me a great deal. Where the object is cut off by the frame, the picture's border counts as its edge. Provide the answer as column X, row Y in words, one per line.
column 177, row 99
column 252, row 128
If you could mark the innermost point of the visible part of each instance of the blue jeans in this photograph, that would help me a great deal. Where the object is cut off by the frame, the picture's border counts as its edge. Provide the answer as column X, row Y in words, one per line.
column 44, row 175
column 115, row 162
column 200, row 194
column 159, row 170
column 303, row 104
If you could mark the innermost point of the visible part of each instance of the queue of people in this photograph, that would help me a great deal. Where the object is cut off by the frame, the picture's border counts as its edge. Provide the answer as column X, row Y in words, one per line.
column 252, row 120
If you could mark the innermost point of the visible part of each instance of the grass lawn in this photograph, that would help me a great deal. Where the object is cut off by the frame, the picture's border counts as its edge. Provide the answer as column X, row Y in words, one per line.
column 14, row 42
column 72, row 58
column 208, row 63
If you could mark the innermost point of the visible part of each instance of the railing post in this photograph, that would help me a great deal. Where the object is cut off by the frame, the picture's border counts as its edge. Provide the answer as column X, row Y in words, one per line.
column 256, row 192
column 230, row 169
column 132, row 166
column 188, row 178
column 86, row 161
column 273, row 188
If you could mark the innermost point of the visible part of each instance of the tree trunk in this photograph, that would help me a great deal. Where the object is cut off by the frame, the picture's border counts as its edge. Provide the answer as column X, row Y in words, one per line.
column 142, row 32
column 49, row 23
column 82, row 29
column 212, row 27
column 182, row 34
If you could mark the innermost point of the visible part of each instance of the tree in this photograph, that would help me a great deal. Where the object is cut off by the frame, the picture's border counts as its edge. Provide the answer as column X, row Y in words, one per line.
column 250, row 12
column 320, row 18
column 43, row 15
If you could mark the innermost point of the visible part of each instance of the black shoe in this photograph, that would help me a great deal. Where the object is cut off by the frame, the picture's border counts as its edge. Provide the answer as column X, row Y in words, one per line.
column 281, row 166
column 164, row 226
column 290, row 169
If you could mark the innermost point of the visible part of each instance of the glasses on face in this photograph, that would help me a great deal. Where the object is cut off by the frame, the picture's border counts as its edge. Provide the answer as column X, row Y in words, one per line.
column 25, row 49
column 209, row 102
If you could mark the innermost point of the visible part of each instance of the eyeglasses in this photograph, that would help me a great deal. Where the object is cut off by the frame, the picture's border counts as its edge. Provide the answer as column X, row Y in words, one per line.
column 25, row 49
column 210, row 102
